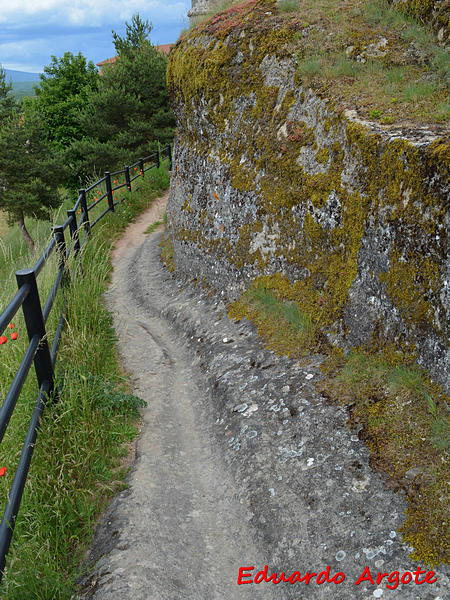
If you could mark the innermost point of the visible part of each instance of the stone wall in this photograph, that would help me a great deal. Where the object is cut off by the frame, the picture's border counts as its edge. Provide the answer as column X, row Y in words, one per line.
column 200, row 8
column 345, row 217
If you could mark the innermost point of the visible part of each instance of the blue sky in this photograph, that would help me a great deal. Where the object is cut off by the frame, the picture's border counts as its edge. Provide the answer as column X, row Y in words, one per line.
column 33, row 30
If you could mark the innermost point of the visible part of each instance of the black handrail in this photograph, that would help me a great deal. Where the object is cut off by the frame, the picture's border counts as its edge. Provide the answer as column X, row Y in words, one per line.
column 36, row 315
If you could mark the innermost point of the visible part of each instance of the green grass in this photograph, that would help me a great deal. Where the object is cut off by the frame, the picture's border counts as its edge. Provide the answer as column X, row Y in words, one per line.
column 151, row 228
column 76, row 465
column 283, row 325
column 286, row 6
column 310, row 66
column 331, row 58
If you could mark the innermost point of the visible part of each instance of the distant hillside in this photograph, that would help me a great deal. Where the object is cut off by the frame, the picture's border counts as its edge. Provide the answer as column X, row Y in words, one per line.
column 23, row 82
column 23, row 88
column 11, row 75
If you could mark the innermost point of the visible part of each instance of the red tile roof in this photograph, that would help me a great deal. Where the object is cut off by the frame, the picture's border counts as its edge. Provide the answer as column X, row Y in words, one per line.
column 164, row 48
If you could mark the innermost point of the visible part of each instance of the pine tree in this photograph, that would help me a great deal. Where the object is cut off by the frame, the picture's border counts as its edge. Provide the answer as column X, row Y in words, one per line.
column 129, row 112
column 7, row 100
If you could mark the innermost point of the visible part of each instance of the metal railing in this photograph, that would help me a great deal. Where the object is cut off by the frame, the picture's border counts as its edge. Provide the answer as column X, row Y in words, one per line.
column 36, row 315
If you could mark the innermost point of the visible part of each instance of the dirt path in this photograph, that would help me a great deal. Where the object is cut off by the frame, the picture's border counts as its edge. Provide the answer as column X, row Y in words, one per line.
column 179, row 531
column 240, row 462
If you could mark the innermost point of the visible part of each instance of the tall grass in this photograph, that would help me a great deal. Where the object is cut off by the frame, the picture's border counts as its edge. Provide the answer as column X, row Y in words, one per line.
column 76, row 463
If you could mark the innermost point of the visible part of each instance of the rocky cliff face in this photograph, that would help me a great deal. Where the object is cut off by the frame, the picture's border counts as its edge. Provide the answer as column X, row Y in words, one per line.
column 345, row 217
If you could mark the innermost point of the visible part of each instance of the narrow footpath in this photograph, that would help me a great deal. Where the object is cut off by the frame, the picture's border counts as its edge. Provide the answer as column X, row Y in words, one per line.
column 179, row 531
column 239, row 463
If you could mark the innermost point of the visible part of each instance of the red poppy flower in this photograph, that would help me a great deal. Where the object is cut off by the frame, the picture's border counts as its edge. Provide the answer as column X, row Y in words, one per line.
column 14, row 336
column 3, row 339
column 2, row 471
column 11, row 325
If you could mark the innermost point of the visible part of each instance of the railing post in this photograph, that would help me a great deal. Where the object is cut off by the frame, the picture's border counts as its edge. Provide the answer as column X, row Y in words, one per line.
column 127, row 178
column 84, row 208
column 34, row 321
column 158, row 161
column 169, row 150
column 58, row 233
column 73, row 227
column 141, row 166
column 109, row 190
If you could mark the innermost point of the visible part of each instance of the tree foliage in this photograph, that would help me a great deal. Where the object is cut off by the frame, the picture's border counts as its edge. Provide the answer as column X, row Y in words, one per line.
column 7, row 100
column 61, row 95
column 129, row 112
column 137, row 33
column 30, row 170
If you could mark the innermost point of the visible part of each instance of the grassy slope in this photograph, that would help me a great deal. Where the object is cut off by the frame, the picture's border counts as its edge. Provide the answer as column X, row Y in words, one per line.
column 369, row 57
column 76, row 464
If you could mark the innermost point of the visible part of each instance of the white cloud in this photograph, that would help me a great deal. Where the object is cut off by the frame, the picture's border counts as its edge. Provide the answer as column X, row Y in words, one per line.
column 89, row 12
column 22, row 55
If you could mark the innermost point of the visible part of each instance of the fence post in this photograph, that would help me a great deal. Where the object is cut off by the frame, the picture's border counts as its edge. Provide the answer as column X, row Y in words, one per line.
column 74, row 230
column 141, row 166
column 109, row 190
column 169, row 150
column 58, row 233
column 158, row 160
column 83, row 203
column 127, row 178
column 32, row 312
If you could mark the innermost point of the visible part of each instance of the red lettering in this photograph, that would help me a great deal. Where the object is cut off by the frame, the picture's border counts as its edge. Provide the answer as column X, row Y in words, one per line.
column 308, row 576
column 407, row 574
column 272, row 578
column 295, row 576
column 242, row 574
column 261, row 575
column 380, row 577
column 365, row 576
column 324, row 576
column 431, row 574
column 338, row 574
column 416, row 574
column 282, row 578
column 394, row 579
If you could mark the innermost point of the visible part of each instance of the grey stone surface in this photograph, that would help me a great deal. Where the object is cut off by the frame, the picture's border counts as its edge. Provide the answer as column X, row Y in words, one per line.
column 240, row 463
column 219, row 210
